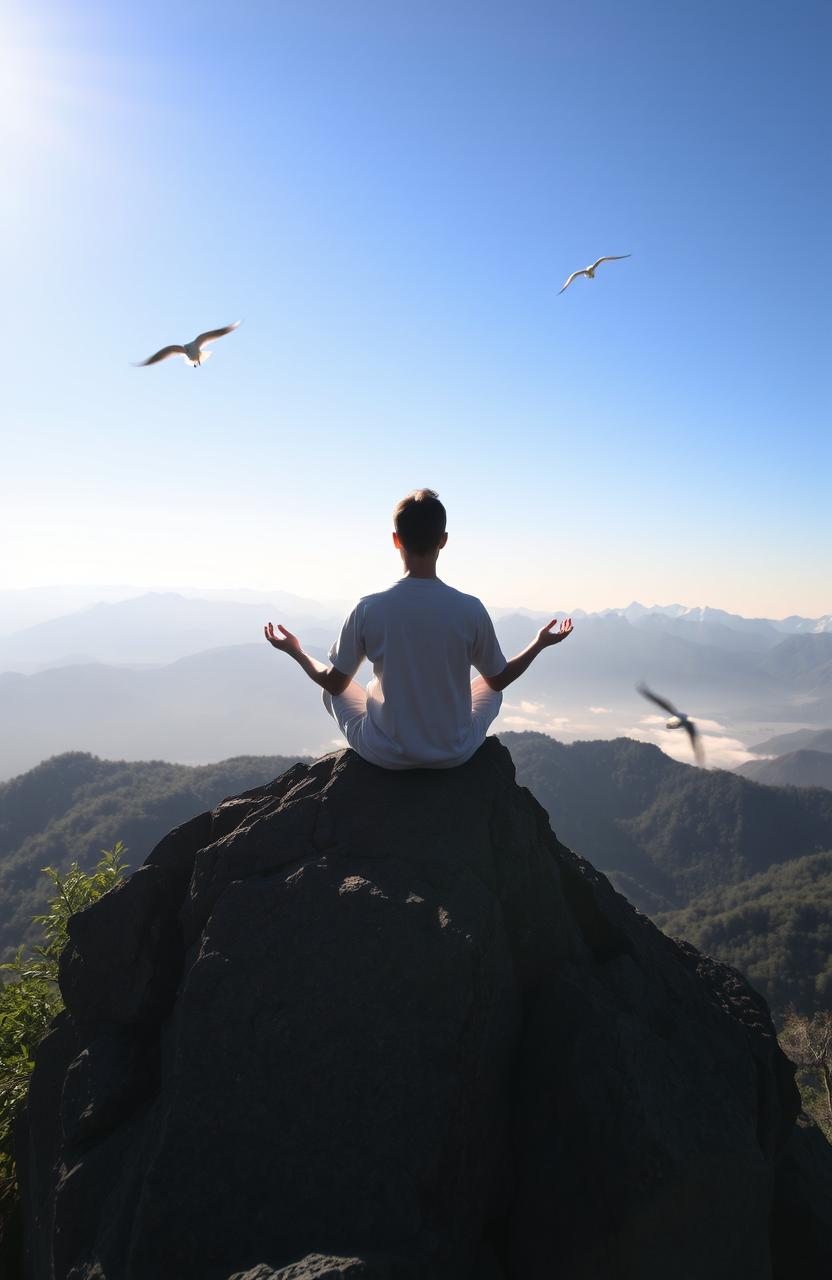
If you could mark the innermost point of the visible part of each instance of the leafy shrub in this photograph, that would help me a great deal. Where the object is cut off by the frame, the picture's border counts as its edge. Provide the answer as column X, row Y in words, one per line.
column 808, row 1042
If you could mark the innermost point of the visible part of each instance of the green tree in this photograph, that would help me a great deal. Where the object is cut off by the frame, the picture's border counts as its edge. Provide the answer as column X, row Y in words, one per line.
column 808, row 1042
column 30, row 998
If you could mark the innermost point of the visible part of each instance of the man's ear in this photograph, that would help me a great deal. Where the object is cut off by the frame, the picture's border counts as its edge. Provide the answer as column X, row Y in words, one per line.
column 443, row 540
column 396, row 542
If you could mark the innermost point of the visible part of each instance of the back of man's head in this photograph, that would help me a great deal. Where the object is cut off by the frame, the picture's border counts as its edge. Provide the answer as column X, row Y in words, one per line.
column 419, row 520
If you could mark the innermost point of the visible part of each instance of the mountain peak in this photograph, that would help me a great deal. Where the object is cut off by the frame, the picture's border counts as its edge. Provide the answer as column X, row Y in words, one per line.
column 402, row 1021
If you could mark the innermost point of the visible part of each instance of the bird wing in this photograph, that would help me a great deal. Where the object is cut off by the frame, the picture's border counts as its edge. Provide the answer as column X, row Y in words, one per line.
column 162, row 354
column 611, row 257
column 660, row 702
column 212, row 334
column 582, row 272
column 695, row 742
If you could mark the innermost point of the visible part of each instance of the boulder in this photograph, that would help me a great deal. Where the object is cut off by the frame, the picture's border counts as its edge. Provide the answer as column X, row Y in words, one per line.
column 382, row 1024
column 801, row 1221
column 313, row 1267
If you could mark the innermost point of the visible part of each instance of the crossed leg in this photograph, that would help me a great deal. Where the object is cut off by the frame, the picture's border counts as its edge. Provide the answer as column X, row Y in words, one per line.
column 349, row 708
column 485, row 706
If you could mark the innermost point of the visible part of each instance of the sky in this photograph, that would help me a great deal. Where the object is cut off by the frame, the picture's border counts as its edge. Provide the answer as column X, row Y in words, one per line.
column 390, row 195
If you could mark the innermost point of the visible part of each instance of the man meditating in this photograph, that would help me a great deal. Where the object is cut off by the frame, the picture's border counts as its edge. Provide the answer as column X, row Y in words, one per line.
column 421, row 710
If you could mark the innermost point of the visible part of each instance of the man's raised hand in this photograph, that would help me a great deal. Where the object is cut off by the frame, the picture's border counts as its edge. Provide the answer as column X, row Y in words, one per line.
column 285, row 641
column 515, row 666
column 547, row 636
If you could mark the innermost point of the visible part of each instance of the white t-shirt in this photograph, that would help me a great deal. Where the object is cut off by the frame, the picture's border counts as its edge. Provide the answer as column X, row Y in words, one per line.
column 422, row 638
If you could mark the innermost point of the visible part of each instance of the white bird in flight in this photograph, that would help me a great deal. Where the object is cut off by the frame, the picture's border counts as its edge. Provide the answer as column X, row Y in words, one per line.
column 589, row 272
column 678, row 720
column 192, row 352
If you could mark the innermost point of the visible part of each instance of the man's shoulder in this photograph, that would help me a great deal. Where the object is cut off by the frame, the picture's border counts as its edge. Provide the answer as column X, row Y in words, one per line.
column 390, row 597
column 465, row 600
column 373, row 597
column 373, row 604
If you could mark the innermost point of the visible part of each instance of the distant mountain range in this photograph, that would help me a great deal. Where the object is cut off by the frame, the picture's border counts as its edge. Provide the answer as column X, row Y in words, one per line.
column 239, row 701
column 155, row 628
column 26, row 607
column 802, row 759
column 803, row 739
column 680, row 842
column 795, row 769
column 163, row 626
column 719, row 628
column 189, row 679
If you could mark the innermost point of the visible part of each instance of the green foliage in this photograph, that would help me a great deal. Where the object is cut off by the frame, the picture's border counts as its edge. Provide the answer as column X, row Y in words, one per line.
column 808, row 1042
column 775, row 927
column 30, row 999
column 813, row 1100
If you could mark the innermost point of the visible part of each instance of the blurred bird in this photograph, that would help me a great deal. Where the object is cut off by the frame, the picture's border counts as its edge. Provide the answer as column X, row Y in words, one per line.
column 589, row 272
column 192, row 351
column 678, row 721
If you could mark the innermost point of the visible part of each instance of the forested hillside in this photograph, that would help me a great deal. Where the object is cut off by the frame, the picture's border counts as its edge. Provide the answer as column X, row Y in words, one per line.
column 667, row 832
column 775, row 927
column 74, row 805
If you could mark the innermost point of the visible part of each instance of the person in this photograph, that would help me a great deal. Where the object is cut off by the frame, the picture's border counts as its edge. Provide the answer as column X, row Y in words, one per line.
column 421, row 709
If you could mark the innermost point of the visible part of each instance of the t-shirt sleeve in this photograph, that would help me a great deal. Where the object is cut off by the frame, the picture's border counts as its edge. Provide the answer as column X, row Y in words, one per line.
column 487, row 656
column 348, row 651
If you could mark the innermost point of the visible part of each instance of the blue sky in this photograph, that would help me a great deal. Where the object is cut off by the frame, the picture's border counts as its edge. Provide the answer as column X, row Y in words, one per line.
column 390, row 195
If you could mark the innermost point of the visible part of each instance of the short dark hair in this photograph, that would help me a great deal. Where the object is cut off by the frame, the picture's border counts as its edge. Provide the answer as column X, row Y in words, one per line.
column 419, row 520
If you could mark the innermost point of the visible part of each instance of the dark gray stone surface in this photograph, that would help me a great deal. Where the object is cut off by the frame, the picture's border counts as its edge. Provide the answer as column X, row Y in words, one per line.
column 318, row 1267
column 801, row 1224
column 385, row 1022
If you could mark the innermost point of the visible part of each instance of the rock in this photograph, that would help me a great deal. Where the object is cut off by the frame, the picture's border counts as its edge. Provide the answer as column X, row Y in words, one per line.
column 11, row 1240
column 386, row 1024
column 39, row 1141
column 317, row 1267
column 801, row 1221
column 122, row 964
column 108, row 1079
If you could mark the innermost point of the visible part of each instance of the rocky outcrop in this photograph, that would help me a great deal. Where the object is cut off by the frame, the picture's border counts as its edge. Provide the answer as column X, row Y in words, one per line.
column 801, row 1234
column 383, row 1025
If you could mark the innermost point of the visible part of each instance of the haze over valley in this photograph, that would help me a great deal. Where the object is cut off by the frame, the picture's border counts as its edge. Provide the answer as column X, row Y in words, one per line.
column 186, row 677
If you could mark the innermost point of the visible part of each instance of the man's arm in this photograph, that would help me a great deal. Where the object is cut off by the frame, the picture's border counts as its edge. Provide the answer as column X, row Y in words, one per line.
column 516, row 666
column 329, row 678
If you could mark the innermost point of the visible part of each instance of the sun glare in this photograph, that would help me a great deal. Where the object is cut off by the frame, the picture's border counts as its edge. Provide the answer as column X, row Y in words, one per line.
column 43, row 78
column 23, row 85
column 58, row 94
